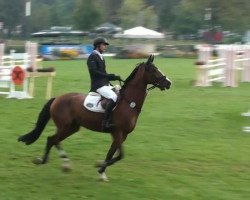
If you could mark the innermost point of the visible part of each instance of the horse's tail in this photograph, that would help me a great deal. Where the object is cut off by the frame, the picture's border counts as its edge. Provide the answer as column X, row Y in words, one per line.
column 42, row 120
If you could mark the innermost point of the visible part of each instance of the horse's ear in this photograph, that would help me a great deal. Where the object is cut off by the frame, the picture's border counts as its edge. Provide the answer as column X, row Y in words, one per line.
column 150, row 59
column 153, row 57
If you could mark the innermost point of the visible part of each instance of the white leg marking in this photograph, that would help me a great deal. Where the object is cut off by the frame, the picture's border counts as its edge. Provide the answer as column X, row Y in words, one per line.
column 103, row 177
column 66, row 166
column 62, row 153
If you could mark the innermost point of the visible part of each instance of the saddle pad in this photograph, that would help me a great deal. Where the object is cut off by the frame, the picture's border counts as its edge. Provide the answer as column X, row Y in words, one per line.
column 92, row 102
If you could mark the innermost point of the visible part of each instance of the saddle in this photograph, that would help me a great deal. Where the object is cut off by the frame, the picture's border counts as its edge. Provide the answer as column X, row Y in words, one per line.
column 96, row 103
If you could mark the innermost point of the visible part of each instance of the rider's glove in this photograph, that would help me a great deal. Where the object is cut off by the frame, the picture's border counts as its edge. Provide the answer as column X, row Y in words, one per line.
column 118, row 78
column 113, row 77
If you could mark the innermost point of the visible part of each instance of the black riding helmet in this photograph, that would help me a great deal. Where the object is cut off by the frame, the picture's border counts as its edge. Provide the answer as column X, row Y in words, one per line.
column 100, row 40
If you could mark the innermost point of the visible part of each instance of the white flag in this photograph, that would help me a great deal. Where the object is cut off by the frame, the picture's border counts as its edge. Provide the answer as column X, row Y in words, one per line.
column 28, row 8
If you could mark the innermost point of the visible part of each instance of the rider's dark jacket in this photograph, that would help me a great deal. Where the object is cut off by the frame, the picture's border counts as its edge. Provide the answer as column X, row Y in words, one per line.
column 97, row 70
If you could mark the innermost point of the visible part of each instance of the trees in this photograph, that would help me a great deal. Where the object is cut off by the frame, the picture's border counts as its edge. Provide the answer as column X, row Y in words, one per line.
column 135, row 13
column 40, row 16
column 61, row 12
column 12, row 14
column 230, row 15
column 187, row 18
column 179, row 16
column 167, row 13
column 86, row 14
column 110, row 10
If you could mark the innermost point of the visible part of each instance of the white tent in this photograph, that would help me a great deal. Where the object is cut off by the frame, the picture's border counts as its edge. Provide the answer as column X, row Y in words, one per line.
column 140, row 32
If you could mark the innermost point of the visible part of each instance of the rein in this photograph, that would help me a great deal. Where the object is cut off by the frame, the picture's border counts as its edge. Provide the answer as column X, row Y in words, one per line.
column 133, row 104
column 148, row 89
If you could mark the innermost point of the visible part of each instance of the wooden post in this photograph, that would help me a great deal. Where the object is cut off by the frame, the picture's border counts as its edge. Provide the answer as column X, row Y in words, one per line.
column 48, row 75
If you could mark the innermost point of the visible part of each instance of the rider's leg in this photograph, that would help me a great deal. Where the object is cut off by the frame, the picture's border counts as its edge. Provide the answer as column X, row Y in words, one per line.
column 107, row 121
column 108, row 93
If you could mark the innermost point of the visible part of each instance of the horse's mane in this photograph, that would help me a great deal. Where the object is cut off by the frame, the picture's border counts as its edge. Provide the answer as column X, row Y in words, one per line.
column 131, row 76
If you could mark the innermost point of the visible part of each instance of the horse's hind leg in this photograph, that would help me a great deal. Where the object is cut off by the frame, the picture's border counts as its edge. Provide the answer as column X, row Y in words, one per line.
column 51, row 140
column 55, row 140
column 63, row 155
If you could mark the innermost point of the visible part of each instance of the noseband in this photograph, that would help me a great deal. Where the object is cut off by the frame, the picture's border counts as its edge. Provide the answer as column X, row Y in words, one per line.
column 156, row 83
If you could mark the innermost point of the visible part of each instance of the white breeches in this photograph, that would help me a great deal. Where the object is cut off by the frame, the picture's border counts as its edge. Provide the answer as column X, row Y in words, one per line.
column 107, row 92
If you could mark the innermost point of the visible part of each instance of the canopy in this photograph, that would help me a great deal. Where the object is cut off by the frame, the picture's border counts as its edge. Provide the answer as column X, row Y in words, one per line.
column 108, row 28
column 59, row 31
column 140, row 32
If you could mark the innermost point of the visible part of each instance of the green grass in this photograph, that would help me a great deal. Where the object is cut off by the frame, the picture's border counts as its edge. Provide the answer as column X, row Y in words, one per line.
column 188, row 143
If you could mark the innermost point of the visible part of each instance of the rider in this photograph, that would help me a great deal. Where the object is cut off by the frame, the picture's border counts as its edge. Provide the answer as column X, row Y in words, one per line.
column 100, row 79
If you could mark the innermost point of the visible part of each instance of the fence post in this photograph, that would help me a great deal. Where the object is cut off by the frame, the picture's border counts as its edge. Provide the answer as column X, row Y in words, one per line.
column 1, row 53
column 204, row 54
column 246, row 65
column 230, row 75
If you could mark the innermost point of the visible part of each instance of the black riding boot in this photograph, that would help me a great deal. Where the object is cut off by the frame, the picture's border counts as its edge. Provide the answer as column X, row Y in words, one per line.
column 107, row 121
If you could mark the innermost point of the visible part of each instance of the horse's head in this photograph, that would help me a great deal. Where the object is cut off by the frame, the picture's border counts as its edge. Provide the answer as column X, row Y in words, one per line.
column 154, row 76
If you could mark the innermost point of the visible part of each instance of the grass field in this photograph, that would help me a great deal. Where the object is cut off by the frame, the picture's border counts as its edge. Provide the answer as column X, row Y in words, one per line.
column 188, row 143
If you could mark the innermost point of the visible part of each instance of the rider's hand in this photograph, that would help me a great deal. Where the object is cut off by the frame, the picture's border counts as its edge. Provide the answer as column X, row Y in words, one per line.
column 118, row 78
column 112, row 77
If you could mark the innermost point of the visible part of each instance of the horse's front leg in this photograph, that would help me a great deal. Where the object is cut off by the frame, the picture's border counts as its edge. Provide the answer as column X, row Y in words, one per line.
column 109, row 156
column 103, row 165
column 118, row 139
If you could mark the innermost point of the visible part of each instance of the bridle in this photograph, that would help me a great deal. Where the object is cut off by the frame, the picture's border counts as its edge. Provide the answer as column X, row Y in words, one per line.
column 129, row 102
column 156, row 83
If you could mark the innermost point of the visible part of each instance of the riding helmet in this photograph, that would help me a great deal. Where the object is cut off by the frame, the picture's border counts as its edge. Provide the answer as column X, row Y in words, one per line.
column 100, row 40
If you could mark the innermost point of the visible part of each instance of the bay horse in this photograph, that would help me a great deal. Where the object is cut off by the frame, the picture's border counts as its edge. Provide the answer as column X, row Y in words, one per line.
column 69, row 115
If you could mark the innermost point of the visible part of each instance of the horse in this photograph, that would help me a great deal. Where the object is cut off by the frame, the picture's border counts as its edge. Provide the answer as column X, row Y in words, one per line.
column 69, row 114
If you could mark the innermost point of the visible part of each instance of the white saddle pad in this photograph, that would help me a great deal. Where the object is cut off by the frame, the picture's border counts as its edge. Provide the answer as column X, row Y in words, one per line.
column 92, row 102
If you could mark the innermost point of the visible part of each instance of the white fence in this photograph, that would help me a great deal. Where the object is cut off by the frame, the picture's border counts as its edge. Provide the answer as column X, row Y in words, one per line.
column 231, row 59
column 9, row 62
column 23, row 60
column 5, row 72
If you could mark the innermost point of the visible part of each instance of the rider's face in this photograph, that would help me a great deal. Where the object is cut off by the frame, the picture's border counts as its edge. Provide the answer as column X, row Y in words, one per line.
column 103, row 47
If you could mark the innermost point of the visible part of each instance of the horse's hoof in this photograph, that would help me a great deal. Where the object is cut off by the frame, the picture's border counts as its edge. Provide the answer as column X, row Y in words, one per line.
column 66, row 167
column 99, row 163
column 103, row 177
column 38, row 161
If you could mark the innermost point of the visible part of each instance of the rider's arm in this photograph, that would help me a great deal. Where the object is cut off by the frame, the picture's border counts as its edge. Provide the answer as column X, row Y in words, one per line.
column 93, row 68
